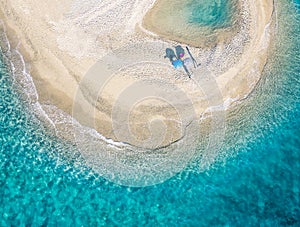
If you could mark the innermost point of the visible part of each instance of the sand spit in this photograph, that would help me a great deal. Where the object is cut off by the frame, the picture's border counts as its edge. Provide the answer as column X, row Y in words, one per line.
column 97, row 62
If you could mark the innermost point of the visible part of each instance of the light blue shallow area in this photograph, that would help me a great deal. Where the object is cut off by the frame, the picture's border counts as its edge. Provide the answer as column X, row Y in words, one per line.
column 258, row 182
column 212, row 13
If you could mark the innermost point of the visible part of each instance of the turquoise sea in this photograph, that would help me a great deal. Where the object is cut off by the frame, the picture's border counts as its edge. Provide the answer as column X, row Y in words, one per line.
column 256, row 182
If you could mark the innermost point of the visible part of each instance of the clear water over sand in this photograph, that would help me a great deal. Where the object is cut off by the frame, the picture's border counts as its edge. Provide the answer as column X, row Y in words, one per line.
column 216, row 13
column 193, row 21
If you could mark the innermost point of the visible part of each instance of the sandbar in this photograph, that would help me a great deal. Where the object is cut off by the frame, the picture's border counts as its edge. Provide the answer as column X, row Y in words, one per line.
column 62, row 40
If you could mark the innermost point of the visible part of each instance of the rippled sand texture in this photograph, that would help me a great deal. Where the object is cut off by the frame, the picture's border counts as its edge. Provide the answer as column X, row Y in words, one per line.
column 86, row 59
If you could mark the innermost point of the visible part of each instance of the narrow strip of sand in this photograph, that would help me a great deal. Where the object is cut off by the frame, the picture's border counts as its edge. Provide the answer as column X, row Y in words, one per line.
column 62, row 40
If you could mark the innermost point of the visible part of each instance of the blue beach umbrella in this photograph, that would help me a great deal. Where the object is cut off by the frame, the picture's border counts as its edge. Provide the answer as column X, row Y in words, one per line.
column 177, row 64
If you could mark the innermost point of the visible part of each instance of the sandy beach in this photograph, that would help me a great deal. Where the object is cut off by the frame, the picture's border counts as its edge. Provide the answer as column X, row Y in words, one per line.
column 62, row 40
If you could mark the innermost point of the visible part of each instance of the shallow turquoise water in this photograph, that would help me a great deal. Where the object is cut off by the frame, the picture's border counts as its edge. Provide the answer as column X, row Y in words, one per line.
column 257, row 183
column 216, row 13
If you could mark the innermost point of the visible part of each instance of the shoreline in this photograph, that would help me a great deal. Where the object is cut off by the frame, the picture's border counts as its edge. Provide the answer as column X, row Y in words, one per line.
column 50, row 92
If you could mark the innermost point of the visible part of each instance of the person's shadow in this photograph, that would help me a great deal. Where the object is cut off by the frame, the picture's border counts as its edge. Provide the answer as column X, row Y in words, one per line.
column 179, row 51
column 170, row 54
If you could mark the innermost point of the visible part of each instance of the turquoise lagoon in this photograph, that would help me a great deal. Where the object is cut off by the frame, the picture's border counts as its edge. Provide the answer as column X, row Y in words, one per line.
column 256, row 180
column 196, row 22
column 216, row 13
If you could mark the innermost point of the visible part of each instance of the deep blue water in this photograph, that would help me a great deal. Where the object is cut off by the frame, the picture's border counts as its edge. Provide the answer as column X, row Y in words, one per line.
column 258, row 183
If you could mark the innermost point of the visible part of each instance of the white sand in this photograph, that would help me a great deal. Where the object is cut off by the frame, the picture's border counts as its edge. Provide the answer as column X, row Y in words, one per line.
column 61, row 40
